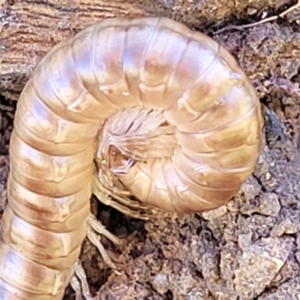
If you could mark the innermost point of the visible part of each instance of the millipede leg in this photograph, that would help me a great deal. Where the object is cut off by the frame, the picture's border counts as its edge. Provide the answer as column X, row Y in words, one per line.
column 95, row 240
column 75, row 284
column 82, row 288
column 122, row 203
column 80, row 273
column 100, row 228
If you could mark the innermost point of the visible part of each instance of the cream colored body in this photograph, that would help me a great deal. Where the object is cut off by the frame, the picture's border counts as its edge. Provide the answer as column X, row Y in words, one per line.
column 201, row 142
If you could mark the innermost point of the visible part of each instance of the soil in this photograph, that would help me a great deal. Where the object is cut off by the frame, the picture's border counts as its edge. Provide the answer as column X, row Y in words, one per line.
column 247, row 249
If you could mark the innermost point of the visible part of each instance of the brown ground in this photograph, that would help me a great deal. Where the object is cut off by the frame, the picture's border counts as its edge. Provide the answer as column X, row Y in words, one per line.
column 249, row 249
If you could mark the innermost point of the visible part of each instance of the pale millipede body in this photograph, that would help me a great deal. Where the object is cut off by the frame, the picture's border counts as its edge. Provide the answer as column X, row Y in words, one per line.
column 140, row 107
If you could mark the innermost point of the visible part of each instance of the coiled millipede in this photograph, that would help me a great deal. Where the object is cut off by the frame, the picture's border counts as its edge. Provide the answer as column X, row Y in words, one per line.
column 143, row 107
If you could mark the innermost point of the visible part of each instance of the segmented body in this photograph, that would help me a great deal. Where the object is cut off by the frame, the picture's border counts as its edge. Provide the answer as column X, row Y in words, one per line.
column 163, row 109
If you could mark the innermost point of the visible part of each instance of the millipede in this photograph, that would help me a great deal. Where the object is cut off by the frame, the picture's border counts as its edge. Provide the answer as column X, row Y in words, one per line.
column 146, row 114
